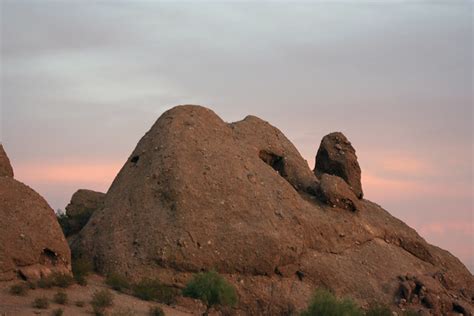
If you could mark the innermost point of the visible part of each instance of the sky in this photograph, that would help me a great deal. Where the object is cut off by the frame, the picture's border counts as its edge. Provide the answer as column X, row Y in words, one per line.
column 82, row 81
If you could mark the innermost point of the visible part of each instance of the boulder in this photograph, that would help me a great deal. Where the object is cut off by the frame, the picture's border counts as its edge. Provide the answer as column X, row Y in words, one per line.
column 337, row 193
column 6, row 169
column 79, row 210
column 336, row 156
column 199, row 194
column 32, row 244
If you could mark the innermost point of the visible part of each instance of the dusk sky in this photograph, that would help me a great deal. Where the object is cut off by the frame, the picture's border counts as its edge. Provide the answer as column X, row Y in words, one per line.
column 82, row 81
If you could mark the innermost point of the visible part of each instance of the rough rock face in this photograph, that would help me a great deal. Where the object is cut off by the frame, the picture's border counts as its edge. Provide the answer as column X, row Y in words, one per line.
column 32, row 244
column 198, row 194
column 337, row 193
column 6, row 169
column 79, row 210
column 336, row 156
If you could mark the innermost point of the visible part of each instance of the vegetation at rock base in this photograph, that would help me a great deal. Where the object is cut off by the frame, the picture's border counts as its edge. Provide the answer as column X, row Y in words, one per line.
column 55, row 279
column 60, row 298
column 211, row 288
column 41, row 303
column 18, row 290
column 156, row 311
column 101, row 300
column 117, row 282
column 154, row 290
column 325, row 303
column 58, row 312
column 81, row 268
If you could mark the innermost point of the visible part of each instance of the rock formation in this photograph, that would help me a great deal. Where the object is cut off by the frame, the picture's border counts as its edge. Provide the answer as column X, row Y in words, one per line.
column 336, row 156
column 79, row 210
column 199, row 194
column 6, row 169
column 31, row 242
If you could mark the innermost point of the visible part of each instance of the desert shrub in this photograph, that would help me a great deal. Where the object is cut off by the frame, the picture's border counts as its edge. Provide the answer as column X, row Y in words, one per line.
column 212, row 289
column 80, row 303
column 124, row 312
column 117, row 282
column 325, row 303
column 378, row 310
column 60, row 298
column 154, row 290
column 58, row 312
column 81, row 268
column 102, row 298
column 41, row 303
column 55, row 279
column 410, row 313
column 156, row 311
column 18, row 289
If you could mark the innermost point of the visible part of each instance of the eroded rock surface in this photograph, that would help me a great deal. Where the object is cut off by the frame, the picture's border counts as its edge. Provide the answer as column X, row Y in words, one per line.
column 79, row 210
column 6, row 169
column 199, row 194
column 32, row 244
column 336, row 156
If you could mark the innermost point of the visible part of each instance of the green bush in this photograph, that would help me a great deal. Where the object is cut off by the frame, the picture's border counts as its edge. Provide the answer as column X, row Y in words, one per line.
column 60, row 298
column 378, row 310
column 81, row 268
column 117, row 282
column 410, row 313
column 212, row 289
column 325, row 303
column 58, row 312
column 156, row 311
column 18, row 290
column 154, row 290
column 41, row 303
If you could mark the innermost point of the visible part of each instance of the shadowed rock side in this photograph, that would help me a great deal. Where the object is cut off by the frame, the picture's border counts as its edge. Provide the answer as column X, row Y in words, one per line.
column 6, row 169
column 336, row 156
column 79, row 210
column 199, row 194
column 32, row 244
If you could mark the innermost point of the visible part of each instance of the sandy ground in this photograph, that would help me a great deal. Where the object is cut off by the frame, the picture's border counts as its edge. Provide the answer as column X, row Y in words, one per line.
column 124, row 305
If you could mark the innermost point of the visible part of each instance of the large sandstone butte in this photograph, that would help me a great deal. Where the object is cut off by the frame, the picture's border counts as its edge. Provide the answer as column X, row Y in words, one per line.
column 32, row 244
column 199, row 194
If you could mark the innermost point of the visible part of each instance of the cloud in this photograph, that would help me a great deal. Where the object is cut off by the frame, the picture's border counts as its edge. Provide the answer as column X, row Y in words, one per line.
column 93, row 173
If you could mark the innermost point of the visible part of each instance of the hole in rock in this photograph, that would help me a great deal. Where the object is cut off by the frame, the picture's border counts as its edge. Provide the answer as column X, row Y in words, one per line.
column 274, row 161
column 48, row 257
column 135, row 159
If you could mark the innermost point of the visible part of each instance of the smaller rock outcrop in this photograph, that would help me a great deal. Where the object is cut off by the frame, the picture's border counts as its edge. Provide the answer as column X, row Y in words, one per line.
column 336, row 156
column 32, row 245
column 83, row 204
column 335, row 192
column 6, row 169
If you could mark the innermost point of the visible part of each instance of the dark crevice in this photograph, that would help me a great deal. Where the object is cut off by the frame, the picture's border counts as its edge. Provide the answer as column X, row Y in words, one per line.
column 135, row 159
column 48, row 257
column 274, row 161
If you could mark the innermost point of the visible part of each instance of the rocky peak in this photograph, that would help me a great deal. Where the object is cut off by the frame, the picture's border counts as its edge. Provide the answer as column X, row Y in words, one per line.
column 6, row 169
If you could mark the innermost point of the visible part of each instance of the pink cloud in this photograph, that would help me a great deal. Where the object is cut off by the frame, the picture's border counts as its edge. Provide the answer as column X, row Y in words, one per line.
column 68, row 172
